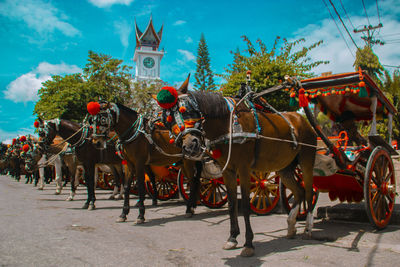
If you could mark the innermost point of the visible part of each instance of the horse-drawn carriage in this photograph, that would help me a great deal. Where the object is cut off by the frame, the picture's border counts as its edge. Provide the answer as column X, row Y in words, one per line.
column 363, row 170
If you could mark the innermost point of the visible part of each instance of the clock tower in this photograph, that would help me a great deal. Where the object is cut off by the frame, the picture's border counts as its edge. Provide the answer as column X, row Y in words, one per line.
column 147, row 56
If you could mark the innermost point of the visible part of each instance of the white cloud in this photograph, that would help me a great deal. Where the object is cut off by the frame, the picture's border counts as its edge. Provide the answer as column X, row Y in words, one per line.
column 26, row 86
column 108, row 3
column 188, row 56
column 334, row 48
column 7, row 137
column 38, row 15
column 123, row 29
column 179, row 22
column 188, row 40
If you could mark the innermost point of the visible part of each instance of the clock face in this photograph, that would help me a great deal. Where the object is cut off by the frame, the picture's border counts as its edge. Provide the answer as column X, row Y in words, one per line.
column 148, row 62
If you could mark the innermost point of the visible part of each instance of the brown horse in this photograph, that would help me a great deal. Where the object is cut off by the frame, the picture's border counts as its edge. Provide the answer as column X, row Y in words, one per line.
column 77, row 136
column 272, row 149
column 142, row 144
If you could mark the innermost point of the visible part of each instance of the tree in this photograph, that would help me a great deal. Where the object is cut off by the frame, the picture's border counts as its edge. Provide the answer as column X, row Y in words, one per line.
column 269, row 68
column 141, row 98
column 368, row 61
column 66, row 97
column 204, row 76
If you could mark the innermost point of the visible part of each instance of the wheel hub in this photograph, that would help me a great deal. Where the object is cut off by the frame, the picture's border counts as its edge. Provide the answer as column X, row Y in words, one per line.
column 385, row 188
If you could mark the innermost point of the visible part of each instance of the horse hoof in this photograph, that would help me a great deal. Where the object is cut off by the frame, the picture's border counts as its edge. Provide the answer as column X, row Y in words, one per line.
column 291, row 234
column 139, row 221
column 121, row 219
column 85, row 206
column 154, row 203
column 57, row 193
column 112, row 197
column 91, row 207
column 247, row 252
column 69, row 198
column 40, row 188
column 230, row 245
column 307, row 234
column 118, row 197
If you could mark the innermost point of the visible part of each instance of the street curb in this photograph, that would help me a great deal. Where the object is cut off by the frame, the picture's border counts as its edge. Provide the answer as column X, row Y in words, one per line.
column 353, row 212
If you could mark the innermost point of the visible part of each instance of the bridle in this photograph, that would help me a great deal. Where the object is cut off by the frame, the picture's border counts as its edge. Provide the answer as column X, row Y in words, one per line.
column 186, row 119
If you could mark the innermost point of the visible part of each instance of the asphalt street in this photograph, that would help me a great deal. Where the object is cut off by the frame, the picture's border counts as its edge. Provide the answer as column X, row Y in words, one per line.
column 38, row 228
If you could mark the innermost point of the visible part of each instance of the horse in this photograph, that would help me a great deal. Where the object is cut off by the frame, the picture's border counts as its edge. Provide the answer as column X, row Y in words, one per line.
column 77, row 136
column 289, row 141
column 143, row 143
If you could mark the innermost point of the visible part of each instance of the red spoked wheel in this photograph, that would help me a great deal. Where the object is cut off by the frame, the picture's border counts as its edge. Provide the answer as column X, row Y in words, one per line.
column 213, row 192
column 183, row 185
column 264, row 192
column 287, row 196
column 379, row 188
column 166, row 186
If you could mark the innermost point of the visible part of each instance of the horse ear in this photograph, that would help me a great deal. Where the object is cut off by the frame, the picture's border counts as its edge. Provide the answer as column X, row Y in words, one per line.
column 153, row 96
column 184, row 87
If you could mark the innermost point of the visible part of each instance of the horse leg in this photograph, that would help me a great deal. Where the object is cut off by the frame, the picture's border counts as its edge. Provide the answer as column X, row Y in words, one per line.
column 244, row 175
column 89, row 180
column 74, row 179
column 306, row 162
column 58, row 180
column 153, row 184
column 231, row 186
column 287, row 176
column 142, row 192
column 194, row 187
column 41, row 173
column 127, row 181
column 115, row 182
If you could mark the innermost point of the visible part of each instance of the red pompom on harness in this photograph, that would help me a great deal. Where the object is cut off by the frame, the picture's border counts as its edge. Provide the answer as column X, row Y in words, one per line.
column 22, row 138
column 93, row 108
column 36, row 124
column 25, row 148
column 167, row 97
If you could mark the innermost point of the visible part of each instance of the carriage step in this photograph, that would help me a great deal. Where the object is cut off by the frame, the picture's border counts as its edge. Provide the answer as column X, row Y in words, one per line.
column 352, row 212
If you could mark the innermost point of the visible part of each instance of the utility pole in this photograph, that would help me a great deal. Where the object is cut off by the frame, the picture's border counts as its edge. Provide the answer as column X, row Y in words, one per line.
column 369, row 38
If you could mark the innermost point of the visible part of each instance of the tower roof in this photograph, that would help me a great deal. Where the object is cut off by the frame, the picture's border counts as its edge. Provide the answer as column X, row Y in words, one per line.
column 149, row 37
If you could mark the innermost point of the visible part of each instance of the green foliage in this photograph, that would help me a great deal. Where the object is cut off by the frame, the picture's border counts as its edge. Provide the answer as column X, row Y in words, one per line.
column 204, row 75
column 325, row 123
column 141, row 95
column 368, row 61
column 66, row 97
column 391, row 87
column 269, row 67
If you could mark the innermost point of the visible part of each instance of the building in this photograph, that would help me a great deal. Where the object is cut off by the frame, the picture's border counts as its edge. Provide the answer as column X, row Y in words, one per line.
column 147, row 54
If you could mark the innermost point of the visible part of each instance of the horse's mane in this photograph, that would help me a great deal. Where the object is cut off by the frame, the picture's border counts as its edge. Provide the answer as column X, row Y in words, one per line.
column 211, row 104
column 126, row 109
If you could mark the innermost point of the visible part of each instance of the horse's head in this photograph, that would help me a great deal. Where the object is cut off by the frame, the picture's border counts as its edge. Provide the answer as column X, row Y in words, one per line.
column 32, row 156
column 47, row 131
column 102, row 119
column 183, row 118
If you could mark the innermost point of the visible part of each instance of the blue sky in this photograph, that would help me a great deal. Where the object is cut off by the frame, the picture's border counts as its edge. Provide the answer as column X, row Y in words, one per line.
column 40, row 38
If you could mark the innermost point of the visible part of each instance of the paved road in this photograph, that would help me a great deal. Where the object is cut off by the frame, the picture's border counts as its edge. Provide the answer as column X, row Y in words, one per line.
column 38, row 228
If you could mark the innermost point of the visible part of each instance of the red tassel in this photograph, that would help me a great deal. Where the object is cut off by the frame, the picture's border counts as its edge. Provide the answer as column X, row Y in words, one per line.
column 124, row 162
column 171, row 141
column 216, row 153
column 303, row 101
column 169, row 118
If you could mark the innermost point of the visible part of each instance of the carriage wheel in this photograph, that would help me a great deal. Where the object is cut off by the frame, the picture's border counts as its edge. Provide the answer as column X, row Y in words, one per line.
column 166, row 187
column 288, row 197
column 379, row 188
column 101, row 181
column 213, row 192
column 183, row 185
column 264, row 192
column 108, row 181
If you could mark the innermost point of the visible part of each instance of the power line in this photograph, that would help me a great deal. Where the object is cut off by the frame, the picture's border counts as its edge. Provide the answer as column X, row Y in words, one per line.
column 351, row 52
column 377, row 9
column 346, row 14
column 390, row 66
column 365, row 11
column 334, row 8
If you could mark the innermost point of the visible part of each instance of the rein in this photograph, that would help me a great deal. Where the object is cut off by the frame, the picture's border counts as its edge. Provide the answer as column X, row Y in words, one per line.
column 140, row 129
column 53, row 157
